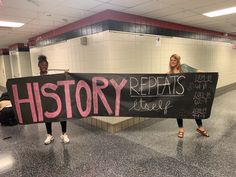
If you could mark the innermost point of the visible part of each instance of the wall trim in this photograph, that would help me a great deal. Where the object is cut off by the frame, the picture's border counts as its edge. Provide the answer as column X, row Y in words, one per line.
column 222, row 90
column 130, row 23
column 4, row 51
column 20, row 47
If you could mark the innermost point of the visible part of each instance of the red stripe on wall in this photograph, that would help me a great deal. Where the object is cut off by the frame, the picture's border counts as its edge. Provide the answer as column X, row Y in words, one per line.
column 124, row 17
column 4, row 51
column 17, row 46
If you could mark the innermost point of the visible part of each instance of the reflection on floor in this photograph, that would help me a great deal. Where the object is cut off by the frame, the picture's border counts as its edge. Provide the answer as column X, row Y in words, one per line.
column 148, row 149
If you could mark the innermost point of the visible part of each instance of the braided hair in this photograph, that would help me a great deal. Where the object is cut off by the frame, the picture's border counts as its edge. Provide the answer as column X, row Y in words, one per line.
column 41, row 59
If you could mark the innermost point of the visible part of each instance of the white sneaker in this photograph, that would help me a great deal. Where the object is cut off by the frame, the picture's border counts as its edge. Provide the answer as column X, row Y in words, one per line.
column 49, row 139
column 65, row 138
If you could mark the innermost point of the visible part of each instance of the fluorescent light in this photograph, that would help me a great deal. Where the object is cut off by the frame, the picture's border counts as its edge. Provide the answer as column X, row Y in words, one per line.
column 10, row 24
column 221, row 12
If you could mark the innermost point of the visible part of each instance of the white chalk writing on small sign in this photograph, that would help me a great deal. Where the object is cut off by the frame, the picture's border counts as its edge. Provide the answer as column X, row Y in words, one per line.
column 199, row 113
column 202, row 87
column 201, row 97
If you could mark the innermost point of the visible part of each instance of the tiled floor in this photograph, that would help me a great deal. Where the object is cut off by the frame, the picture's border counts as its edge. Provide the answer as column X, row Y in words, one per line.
column 148, row 149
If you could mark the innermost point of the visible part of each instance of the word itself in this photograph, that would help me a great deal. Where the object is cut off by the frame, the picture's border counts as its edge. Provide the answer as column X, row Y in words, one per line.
column 141, row 106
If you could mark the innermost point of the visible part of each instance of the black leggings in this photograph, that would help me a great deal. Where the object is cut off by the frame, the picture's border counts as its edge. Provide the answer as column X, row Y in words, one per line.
column 49, row 127
column 180, row 122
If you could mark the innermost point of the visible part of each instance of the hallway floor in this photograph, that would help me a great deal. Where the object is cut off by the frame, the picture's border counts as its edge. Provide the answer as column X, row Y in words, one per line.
column 150, row 149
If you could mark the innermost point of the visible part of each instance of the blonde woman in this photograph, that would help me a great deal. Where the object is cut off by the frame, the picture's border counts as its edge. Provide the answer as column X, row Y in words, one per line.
column 176, row 67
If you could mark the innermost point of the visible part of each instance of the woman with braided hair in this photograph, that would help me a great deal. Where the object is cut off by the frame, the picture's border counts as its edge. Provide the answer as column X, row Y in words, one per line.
column 43, row 68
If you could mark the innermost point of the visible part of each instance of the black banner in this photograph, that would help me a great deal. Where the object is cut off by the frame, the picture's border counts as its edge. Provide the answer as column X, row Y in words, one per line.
column 75, row 95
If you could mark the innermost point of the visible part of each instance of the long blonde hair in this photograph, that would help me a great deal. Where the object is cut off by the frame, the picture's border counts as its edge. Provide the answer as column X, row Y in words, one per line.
column 177, row 57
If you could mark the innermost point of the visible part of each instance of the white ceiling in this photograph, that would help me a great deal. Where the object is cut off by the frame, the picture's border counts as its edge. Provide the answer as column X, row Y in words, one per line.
column 41, row 16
